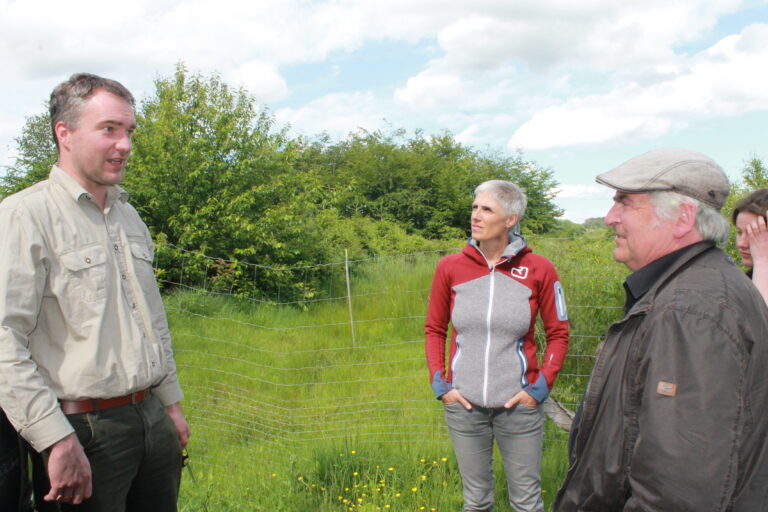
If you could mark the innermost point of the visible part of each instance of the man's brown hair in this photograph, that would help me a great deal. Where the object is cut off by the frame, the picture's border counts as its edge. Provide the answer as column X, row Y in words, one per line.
column 68, row 97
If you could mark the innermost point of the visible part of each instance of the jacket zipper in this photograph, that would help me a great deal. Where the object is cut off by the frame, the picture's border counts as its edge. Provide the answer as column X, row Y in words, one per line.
column 488, row 336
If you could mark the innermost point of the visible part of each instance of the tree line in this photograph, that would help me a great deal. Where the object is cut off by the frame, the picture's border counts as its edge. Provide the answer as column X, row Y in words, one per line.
column 211, row 172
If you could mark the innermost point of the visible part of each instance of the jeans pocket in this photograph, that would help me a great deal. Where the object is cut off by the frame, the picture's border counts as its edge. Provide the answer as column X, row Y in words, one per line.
column 82, row 423
column 453, row 406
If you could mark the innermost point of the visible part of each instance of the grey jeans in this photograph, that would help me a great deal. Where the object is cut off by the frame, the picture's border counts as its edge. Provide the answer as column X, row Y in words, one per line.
column 518, row 433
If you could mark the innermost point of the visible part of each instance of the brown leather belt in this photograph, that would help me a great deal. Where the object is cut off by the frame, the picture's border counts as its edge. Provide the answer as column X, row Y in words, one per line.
column 100, row 404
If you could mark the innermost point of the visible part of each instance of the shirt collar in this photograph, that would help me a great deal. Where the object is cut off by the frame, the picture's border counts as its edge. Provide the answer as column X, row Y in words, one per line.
column 76, row 191
column 640, row 281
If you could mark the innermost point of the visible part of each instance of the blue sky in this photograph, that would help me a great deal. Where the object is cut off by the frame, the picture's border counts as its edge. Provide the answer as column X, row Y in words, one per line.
column 578, row 87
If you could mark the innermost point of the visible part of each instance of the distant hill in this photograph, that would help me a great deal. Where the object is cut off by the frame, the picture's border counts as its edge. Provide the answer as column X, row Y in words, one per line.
column 594, row 222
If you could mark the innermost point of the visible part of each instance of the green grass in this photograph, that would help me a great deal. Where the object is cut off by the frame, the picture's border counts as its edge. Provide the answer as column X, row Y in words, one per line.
column 289, row 413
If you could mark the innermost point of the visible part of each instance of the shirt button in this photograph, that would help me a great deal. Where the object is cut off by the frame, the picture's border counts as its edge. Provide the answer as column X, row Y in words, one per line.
column 87, row 260
column 116, row 247
column 123, row 276
column 133, row 305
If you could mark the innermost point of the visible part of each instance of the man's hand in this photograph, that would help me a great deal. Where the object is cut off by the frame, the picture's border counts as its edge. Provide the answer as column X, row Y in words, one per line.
column 454, row 396
column 522, row 398
column 69, row 472
column 182, row 427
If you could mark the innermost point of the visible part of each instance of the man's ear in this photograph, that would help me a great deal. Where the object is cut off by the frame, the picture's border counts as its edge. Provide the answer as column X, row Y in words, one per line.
column 686, row 220
column 62, row 131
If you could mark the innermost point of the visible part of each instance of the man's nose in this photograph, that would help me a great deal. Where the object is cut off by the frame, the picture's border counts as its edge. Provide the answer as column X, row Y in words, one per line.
column 124, row 143
column 611, row 216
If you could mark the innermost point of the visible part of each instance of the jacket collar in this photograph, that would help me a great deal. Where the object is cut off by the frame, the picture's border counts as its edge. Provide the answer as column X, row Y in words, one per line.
column 642, row 280
column 689, row 253
column 517, row 245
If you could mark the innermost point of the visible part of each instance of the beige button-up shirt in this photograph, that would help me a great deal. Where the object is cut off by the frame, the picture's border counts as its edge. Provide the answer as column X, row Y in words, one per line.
column 80, row 312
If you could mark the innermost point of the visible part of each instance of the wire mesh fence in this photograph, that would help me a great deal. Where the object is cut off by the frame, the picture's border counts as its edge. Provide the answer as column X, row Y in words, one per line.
column 345, row 363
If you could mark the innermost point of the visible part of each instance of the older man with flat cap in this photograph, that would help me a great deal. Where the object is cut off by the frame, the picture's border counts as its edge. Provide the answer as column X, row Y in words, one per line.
column 672, row 418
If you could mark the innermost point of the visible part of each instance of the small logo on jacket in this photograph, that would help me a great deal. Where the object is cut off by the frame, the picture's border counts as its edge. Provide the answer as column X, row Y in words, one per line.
column 666, row 388
column 520, row 272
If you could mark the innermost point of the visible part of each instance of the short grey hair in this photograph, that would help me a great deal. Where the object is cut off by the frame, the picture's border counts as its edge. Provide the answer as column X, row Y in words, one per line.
column 709, row 222
column 68, row 97
column 510, row 196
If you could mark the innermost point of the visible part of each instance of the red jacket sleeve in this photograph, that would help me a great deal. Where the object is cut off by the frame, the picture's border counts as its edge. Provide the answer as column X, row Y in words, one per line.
column 436, row 329
column 554, row 316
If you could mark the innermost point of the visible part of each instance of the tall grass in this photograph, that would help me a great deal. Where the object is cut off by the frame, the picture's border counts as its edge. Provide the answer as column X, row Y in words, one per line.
column 290, row 413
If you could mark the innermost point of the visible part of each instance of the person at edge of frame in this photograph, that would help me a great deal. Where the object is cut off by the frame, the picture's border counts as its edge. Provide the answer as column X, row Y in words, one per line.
column 86, row 363
column 15, row 487
column 491, row 293
column 672, row 418
column 749, row 217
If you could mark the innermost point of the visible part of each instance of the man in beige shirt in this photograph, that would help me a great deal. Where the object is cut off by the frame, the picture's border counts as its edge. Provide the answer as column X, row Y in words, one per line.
column 87, row 371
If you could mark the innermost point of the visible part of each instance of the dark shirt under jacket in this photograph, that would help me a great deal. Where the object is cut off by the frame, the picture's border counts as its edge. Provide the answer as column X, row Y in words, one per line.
column 641, row 280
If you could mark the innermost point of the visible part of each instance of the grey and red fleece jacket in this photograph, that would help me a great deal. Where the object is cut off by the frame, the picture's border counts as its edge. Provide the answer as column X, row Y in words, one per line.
column 492, row 309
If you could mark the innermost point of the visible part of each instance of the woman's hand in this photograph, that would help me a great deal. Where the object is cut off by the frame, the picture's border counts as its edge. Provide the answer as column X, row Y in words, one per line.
column 454, row 396
column 522, row 398
column 757, row 235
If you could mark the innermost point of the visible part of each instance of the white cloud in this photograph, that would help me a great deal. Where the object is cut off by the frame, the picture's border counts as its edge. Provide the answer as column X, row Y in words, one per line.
column 726, row 79
column 582, row 202
column 335, row 114
column 573, row 72
column 429, row 90
column 572, row 191
column 468, row 136
column 630, row 41
column 260, row 79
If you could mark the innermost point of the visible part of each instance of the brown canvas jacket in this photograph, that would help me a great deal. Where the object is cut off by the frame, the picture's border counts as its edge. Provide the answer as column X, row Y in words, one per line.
column 671, row 419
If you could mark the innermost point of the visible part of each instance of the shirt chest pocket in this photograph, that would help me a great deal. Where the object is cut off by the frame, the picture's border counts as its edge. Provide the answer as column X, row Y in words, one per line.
column 142, row 261
column 85, row 270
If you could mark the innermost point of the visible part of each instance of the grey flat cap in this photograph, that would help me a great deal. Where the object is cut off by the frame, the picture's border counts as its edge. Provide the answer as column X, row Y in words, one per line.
column 679, row 170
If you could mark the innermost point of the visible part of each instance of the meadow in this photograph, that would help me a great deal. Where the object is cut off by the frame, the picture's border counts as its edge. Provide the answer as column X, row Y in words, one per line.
column 325, row 405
